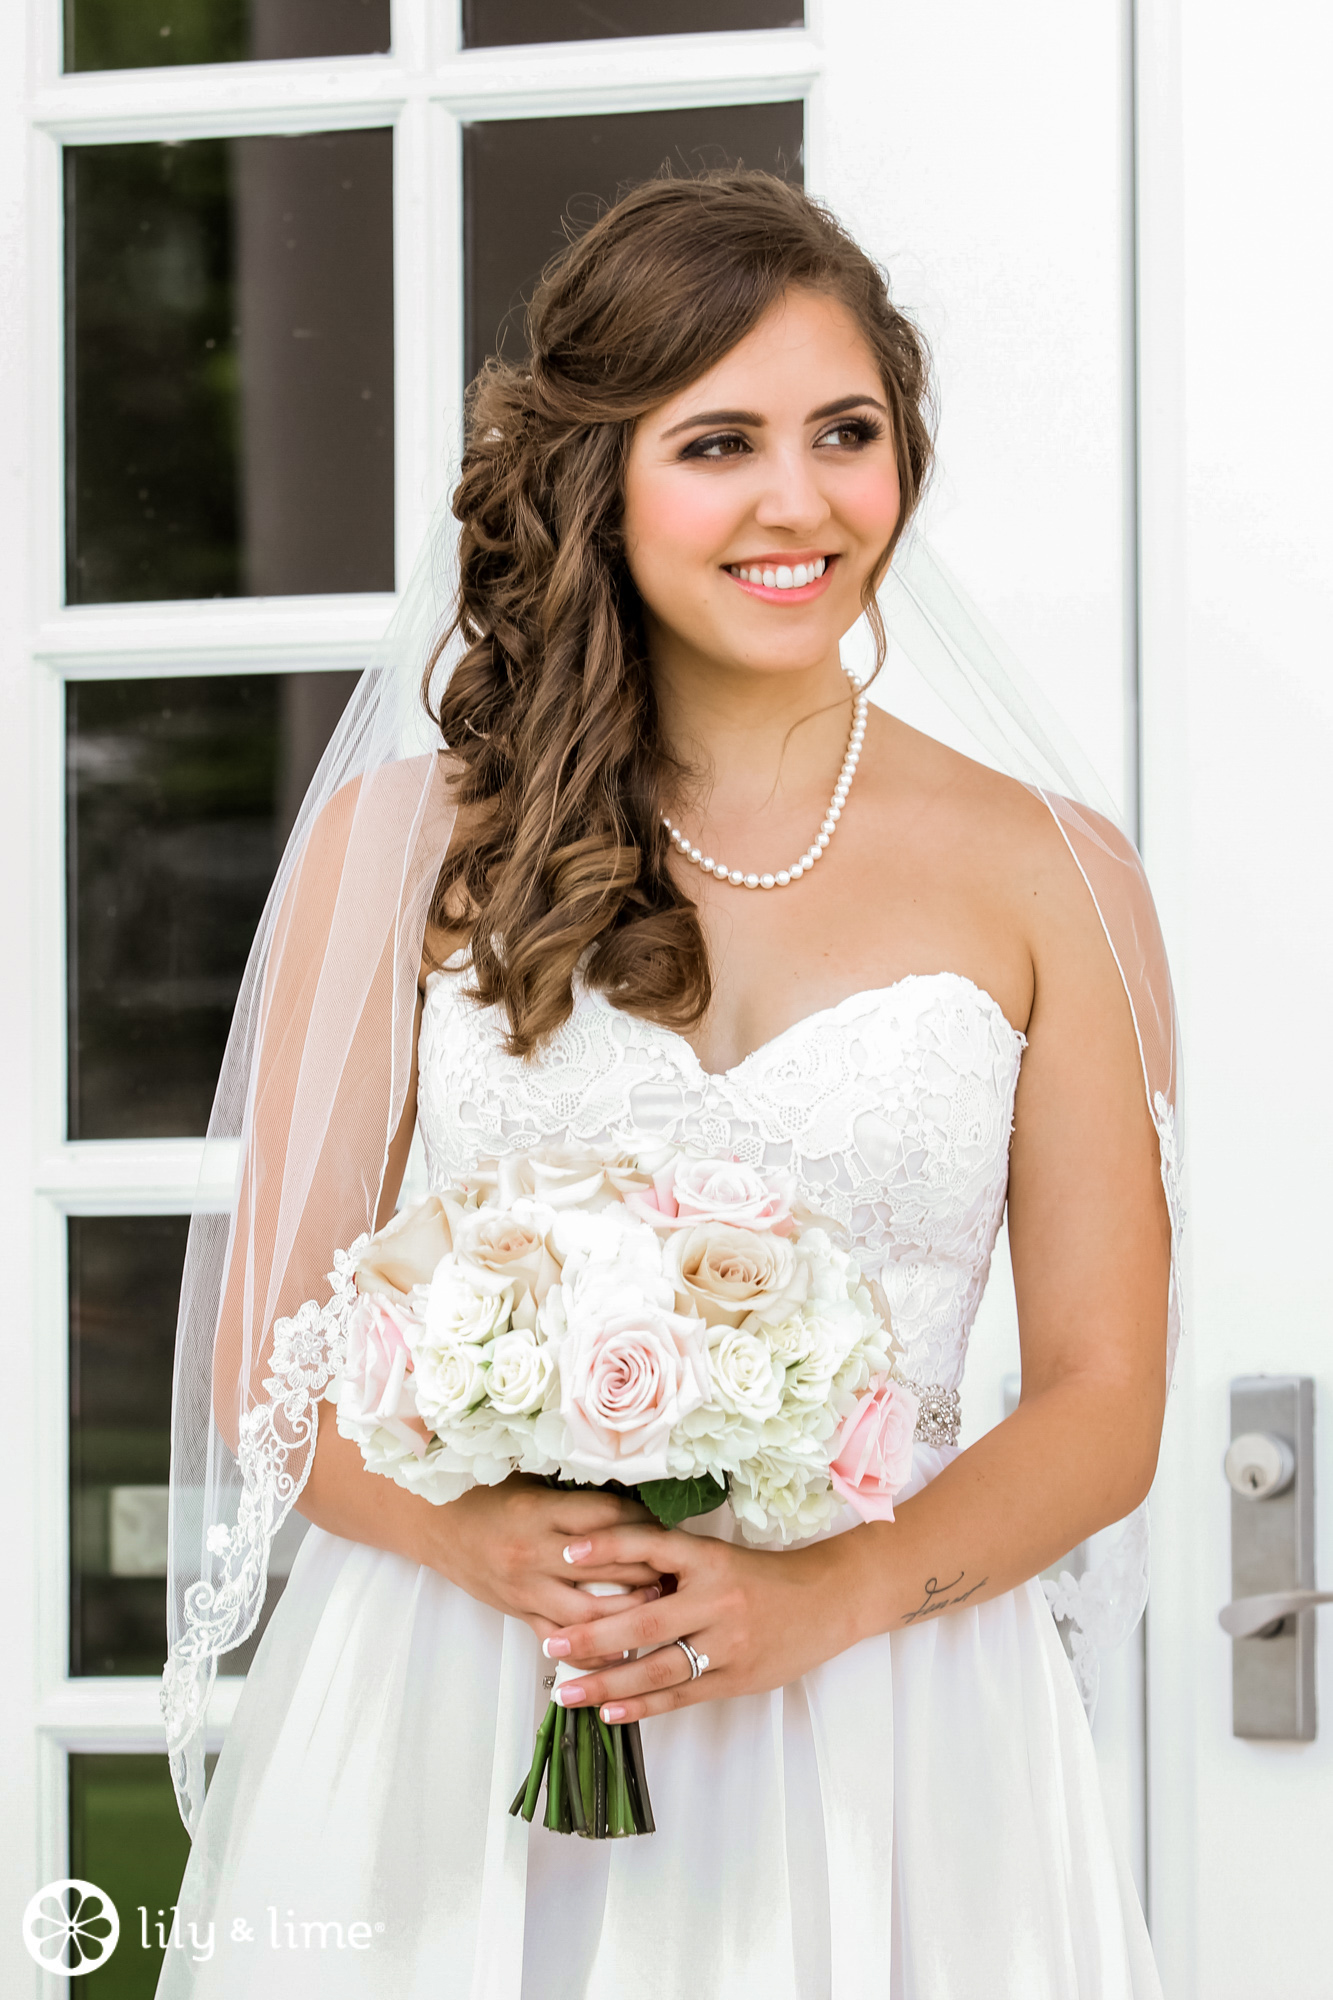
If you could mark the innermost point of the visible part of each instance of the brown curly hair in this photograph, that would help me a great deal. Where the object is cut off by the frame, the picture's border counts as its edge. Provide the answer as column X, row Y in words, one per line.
column 549, row 714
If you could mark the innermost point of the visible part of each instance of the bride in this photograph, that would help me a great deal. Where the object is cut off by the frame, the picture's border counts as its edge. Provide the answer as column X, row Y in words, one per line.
column 673, row 876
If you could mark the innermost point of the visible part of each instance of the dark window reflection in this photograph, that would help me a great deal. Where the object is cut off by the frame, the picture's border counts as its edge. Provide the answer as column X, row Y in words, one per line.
column 229, row 356
column 124, row 1286
column 142, row 34
column 524, row 178
column 490, row 23
column 180, row 796
column 125, row 1834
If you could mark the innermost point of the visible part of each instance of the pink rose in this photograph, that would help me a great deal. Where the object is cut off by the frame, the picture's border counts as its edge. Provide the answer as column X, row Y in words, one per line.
column 376, row 1384
column 714, row 1191
column 873, row 1458
column 629, row 1371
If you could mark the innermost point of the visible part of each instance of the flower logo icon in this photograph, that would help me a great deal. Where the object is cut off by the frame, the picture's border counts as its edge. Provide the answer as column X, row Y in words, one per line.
column 71, row 1927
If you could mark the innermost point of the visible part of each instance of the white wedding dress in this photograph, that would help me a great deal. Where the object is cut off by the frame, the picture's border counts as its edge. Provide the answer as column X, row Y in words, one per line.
column 919, row 1819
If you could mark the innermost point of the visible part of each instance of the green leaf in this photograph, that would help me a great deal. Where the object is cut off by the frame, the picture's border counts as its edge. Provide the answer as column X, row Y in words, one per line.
column 676, row 1500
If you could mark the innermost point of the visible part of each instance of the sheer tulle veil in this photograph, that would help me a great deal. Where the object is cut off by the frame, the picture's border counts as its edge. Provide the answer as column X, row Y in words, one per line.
column 319, row 1063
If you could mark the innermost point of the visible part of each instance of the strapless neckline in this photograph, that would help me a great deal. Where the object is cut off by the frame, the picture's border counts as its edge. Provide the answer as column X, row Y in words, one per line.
column 839, row 1009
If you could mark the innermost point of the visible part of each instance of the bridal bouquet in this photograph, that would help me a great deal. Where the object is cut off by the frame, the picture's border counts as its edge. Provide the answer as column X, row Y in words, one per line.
column 670, row 1326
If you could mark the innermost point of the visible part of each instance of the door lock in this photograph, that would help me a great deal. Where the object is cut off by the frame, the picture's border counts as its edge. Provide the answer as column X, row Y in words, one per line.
column 1269, row 1467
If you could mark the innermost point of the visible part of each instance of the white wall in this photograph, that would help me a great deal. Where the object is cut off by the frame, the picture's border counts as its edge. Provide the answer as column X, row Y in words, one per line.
column 1237, row 799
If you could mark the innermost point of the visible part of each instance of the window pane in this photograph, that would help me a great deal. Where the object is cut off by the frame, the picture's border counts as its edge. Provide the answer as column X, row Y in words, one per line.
column 142, row 34
column 125, row 1834
column 124, row 1287
column 229, row 356
column 489, row 23
column 522, row 177
column 180, row 796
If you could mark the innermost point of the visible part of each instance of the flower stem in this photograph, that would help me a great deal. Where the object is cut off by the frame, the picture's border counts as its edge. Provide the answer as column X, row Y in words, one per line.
column 527, row 1804
column 639, row 1778
column 573, row 1791
column 555, row 1776
column 585, row 1733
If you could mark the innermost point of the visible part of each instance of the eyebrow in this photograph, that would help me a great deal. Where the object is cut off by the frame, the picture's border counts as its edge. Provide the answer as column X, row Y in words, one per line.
column 756, row 422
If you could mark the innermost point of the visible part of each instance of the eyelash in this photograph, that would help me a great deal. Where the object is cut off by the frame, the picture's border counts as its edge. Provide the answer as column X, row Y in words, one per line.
column 864, row 430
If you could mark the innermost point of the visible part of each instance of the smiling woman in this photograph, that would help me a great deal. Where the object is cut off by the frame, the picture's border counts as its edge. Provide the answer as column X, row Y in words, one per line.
column 512, row 944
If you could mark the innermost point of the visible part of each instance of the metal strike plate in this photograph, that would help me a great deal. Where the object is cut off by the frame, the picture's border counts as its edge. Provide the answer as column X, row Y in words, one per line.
column 1272, row 1549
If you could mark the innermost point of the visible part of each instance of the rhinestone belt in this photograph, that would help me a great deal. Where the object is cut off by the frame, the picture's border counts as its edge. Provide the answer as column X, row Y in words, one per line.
column 940, row 1415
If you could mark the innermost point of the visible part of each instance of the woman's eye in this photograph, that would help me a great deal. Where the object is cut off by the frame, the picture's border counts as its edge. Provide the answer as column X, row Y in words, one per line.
column 728, row 444
column 852, row 431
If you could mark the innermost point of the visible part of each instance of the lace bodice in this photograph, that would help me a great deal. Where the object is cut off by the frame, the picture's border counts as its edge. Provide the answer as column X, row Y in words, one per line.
column 893, row 1111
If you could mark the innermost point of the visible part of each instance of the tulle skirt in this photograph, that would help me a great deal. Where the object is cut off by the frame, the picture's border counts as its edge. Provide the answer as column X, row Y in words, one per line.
column 919, row 1819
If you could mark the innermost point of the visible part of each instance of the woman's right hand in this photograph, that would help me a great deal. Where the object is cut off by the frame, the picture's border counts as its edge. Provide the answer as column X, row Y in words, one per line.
column 505, row 1545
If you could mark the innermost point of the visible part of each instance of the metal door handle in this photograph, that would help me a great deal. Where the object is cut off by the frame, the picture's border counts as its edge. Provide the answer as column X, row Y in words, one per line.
column 1249, row 1616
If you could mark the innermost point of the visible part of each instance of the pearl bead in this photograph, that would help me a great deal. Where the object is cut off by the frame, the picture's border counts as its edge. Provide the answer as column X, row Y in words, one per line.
column 737, row 877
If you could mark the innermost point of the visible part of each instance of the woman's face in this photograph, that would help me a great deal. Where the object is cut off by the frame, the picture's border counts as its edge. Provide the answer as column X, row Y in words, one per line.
column 759, row 499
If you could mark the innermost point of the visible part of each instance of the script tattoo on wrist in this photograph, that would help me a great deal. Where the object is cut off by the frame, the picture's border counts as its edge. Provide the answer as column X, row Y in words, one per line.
column 942, row 1596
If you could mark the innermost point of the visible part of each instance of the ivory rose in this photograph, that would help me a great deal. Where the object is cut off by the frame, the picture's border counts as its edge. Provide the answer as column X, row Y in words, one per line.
column 377, row 1387
column 629, row 1371
column 449, row 1381
column 460, row 1307
column 405, row 1252
column 498, row 1248
column 724, row 1273
column 872, row 1458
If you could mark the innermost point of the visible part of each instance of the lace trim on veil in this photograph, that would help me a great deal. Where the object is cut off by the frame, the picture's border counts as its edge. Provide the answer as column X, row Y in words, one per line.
column 275, row 1451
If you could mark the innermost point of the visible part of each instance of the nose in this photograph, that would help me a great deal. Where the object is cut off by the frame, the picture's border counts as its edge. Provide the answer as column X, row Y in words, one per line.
column 792, row 498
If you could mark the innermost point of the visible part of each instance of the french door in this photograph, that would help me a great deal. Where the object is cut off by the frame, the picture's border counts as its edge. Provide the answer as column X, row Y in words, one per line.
column 253, row 250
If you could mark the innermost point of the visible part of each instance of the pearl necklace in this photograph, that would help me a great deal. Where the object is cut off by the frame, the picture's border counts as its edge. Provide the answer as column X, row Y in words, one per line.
column 779, row 880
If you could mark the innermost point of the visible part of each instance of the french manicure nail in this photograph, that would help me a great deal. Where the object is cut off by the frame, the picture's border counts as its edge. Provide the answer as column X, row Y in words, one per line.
column 614, row 1711
column 575, row 1551
column 555, row 1649
column 569, row 1695
column 653, row 1591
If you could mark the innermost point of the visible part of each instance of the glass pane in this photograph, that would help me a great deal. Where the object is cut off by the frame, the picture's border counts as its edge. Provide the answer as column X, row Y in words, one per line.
column 522, row 177
column 124, row 1287
column 229, row 358
column 124, row 1284
column 143, row 34
column 180, row 797
column 489, row 23
column 125, row 1834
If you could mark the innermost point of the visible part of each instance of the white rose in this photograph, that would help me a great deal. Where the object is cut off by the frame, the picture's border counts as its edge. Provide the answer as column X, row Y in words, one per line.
column 449, row 1381
column 457, row 1309
column 591, row 1246
column 519, row 1374
column 746, row 1378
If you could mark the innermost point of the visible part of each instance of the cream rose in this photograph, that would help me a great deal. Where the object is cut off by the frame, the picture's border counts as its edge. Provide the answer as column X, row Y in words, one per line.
column 724, row 1274
column 405, row 1252
column 499, row 1247
column 629, row 1371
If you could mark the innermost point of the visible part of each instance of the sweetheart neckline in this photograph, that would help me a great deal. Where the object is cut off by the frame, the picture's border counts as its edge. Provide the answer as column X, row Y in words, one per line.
column 818, row 1014
column 804, row 1021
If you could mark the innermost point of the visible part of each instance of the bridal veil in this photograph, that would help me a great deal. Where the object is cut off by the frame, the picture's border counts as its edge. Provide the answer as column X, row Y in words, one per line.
column 319, row 1065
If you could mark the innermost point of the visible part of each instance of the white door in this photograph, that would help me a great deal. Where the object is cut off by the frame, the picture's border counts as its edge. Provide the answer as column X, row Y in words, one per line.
column 1236, row 169
column 223, row 260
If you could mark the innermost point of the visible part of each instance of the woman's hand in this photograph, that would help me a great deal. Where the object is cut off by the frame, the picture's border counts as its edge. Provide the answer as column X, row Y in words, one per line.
column 503, row 1544
column 763, row 1618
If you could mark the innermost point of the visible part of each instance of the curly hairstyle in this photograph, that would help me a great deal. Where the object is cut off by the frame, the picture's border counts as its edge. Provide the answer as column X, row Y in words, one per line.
column 549, row 715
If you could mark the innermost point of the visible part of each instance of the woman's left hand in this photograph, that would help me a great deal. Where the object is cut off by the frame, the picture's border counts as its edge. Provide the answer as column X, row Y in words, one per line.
column 761, row 1617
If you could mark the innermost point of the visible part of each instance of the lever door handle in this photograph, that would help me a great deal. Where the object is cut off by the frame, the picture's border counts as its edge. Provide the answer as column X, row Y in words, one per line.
column 1249, row 1615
